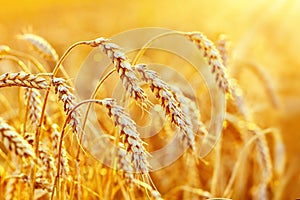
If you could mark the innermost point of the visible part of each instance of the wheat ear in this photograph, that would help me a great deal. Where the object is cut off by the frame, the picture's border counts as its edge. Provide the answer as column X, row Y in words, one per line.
column 213, row 58
column 190, row 110
column 129, row 135
column 68, row 99
column 34, row 105
column 264, row 161
column 40, row 45
column 171, row 106
column 14, row 142
column 22, row 79
column 123, row 67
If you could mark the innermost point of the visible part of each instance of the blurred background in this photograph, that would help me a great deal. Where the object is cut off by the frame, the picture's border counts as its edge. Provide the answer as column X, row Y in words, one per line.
column 265, row 33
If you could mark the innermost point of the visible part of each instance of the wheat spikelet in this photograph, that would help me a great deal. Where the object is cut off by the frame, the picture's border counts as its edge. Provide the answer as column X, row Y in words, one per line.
column 128, row 134
column 42, row 183
column 40, row 45
column 14, row 141
column 124, row 164
column 222, row 45
column 153, row 192
column 68, row 99
column 213, row 57
column 123, row 67
column 171, row 106
column 22, row 79
column 34, row 106
column 11, row 189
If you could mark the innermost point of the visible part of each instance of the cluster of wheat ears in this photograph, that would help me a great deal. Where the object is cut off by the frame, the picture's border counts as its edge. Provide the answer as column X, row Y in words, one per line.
column 42, row 126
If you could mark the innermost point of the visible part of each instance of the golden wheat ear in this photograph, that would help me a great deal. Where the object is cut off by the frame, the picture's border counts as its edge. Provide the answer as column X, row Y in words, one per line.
column 130, row 137
column 40, row 45
column 14, row 142
column 69, row 101
column 123, row 67
column 213, row 58
column 22, row 79
column 34, row 106
column 171, row 105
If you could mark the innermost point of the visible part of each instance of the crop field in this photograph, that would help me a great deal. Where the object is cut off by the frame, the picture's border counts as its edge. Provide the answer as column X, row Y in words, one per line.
column 153, row 99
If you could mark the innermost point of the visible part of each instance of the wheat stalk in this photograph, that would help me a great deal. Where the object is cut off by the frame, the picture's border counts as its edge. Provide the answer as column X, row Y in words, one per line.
column 40, row 45
column 123, row 67
column 213, row 58
column 68, row 99
column 22, row 79
column 168, row 101
column 14, row 142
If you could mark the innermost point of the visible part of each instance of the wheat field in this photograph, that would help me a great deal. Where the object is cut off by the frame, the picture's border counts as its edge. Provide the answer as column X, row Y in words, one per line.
column 95, row 105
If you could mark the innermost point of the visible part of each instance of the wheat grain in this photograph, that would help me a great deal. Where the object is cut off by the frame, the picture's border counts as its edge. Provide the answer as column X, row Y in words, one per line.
column 68, row 99
column 40, row 45
column 14, row 142
column 128, row 134
column 213, row 57
column 171, row 106
column 123, row 67
column 22, row 79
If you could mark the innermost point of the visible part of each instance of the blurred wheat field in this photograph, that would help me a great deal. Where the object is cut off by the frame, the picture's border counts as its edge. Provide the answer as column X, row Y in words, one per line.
column 263, row 38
